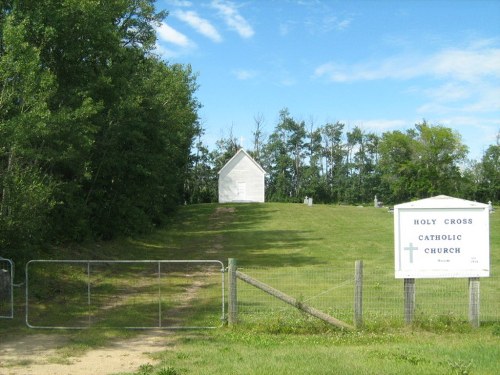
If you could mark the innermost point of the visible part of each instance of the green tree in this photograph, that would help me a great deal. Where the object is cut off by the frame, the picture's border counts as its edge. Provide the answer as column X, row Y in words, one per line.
column 397, row 166
column 25, row 191
column 312, row 185
column 421, row 163
column 226, row 148
column 202, row 182
column 284, row 158
column 362, row 158
column 489, row 184
column 334, row 153
column 438, row 155
column 102, row 127
column 142, row 152
column 258, row 137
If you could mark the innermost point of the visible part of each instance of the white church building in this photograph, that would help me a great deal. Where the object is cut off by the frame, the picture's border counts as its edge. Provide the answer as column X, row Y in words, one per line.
column 241, row 179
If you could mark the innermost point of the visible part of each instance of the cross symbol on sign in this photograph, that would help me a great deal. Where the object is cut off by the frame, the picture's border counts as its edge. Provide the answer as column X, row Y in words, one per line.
column 411, row 248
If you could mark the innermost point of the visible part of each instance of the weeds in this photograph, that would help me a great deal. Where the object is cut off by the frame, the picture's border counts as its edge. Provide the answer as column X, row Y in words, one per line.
column 496, row 330
column 167, row 371
column 460, row 367
column 442, row 323
column 146, row 369
column 149, row 369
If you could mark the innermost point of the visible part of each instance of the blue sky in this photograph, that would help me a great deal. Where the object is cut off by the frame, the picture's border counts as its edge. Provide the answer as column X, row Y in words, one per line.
column 380, row 65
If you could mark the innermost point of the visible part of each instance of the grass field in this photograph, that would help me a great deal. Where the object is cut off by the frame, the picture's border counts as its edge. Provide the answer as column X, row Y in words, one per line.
column 290, row 244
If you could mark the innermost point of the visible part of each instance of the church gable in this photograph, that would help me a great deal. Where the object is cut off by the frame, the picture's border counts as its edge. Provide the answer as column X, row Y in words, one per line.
column 241, row 180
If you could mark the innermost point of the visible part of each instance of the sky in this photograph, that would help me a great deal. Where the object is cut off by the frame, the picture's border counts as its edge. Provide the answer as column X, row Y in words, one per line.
column 381, row 65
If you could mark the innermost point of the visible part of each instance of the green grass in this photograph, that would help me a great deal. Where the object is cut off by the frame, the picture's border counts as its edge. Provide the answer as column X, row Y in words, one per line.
column 289, row 244
column 291, row 241
column 242, row 352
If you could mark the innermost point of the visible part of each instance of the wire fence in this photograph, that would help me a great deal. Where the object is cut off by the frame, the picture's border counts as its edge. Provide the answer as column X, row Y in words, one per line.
column 134, row 294
column 331, row 290
column 191, row 294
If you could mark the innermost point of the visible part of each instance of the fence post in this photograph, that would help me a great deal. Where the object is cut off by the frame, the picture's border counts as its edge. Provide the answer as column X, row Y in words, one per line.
column 409, row 291
column 474, row 301
column 358, row 293
column 232, row 309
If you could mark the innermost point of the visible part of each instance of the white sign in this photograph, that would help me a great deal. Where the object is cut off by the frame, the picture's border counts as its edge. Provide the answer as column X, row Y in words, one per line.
column 441, row 237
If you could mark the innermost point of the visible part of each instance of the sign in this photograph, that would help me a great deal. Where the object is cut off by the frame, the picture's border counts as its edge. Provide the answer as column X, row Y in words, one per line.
column 441, row 237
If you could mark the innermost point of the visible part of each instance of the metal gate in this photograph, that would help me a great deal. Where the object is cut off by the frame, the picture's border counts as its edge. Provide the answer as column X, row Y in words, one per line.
column 6, row 288
column 132, row 294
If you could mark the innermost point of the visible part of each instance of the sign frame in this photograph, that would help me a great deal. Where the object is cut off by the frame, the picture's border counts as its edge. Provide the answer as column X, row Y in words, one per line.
column 441, row 237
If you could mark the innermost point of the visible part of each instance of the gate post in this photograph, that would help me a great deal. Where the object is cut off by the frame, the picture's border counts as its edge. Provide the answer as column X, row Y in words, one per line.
column 232, row 309
column 7, row 288
column 409, row 291
column 474, row 301
column 358, row 294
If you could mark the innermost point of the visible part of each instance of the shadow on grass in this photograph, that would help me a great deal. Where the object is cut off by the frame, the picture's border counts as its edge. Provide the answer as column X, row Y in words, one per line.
column 120, row 294
column 214, row 231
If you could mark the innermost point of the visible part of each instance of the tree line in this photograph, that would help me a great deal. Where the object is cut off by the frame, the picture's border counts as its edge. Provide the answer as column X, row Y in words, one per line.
column 335, row 164
column 95, row 130
column 100, row 137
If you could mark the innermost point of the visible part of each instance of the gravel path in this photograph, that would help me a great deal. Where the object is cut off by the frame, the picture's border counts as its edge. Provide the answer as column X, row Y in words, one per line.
column 38, row 354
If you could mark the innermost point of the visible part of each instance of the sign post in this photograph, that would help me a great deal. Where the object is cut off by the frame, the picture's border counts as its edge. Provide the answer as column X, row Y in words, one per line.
column 442, row 237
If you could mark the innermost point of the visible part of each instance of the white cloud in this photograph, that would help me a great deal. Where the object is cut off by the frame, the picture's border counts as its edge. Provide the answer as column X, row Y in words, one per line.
column 488, row 99
column 462, row 97
column 233, row 18
column 344, row 24
column 326, row 24
column 449, row 92
column 163, row 52
column 244, row 74
column 453, row 80
column 284, row 28
column 468, row 65
column 287, row 81
column 170, row 35
column 201, row 25
column 180, row 3
column 382, row 124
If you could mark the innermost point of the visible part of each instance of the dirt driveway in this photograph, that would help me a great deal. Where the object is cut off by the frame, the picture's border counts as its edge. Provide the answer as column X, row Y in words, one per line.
column 42, row 354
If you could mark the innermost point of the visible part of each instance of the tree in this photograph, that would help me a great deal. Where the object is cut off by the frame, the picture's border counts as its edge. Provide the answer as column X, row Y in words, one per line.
column 201, row 184
column 94, row 126
column 226, row 148
column 293, row 134
column 397, row 166
column 334, row 153
column 438, row 155
column 25, row 192
column 311, row 175
column 258, row 136
column 489, row 184
column 421, row 163
column 284, row 158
